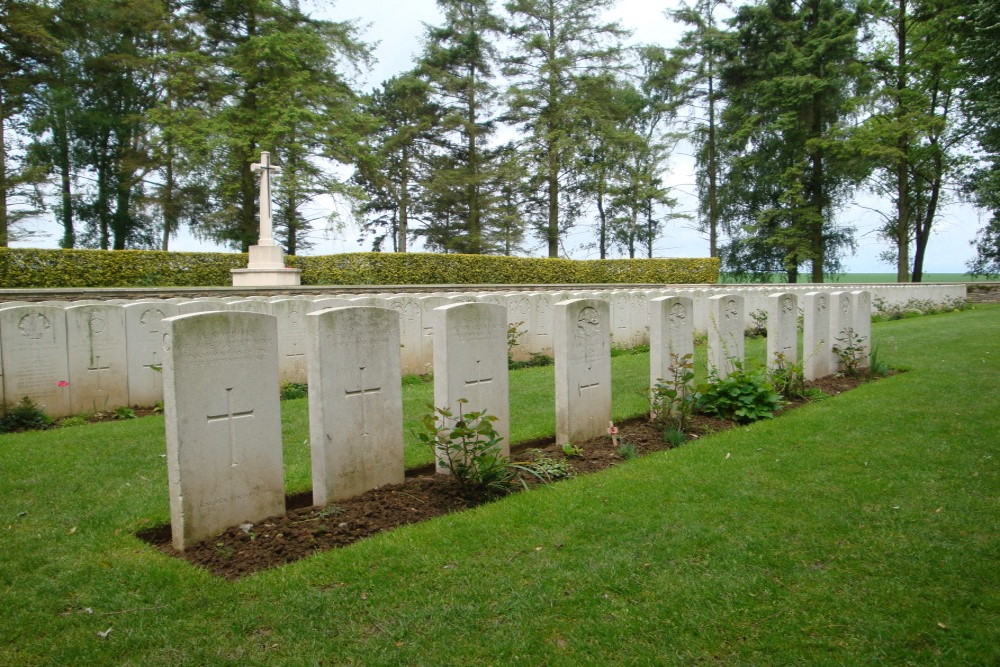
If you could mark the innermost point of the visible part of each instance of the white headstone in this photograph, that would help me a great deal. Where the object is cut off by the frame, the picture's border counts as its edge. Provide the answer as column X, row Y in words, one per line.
column 842, row 334
column 671, row 335
column 621, row 324
column 639, row 317
column 410, row 332
column 291, row 314
column 427, row 324
column 725, row 333
column 862, row 308
column 33, row 341
column 542, row 333
column 520, row 315
column 470, row 362
column 355, row 401
column 816, row 335
column 582, row 369
column 144, row 331
column 190, row 307
column 249, row 306
column 98, row 373
column 782, row 329
column 223, row 422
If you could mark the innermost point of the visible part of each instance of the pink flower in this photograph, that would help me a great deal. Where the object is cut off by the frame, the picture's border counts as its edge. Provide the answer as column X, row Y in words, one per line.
column 613, row 430
column 62, row 383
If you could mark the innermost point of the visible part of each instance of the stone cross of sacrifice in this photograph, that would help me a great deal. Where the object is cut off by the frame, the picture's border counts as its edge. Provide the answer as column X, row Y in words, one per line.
column 266, row 169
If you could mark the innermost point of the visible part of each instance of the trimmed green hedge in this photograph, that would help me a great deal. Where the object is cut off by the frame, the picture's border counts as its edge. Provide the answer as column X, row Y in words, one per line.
column 375, row 268
column 36, row 268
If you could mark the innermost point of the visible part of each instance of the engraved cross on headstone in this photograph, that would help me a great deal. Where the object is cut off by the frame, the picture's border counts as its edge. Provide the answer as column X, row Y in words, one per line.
column 265, row 168
column 361, row 392
column 479, row 379
column 588, row 383
column 97, row 368
column 230, row 416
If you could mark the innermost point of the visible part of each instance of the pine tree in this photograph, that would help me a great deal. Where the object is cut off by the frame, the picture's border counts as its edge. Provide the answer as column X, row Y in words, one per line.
column 27, row 44
column 702, row 50
column 458, row 63
column 792, row 85
column 555, row 43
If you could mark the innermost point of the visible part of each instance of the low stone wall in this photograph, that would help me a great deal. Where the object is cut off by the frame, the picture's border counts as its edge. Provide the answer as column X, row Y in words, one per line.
column 892, row 293
column 983, row 292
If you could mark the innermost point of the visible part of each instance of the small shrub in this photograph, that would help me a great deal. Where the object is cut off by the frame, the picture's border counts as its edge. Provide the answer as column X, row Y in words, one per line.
column 293, row 390
column 758, row 328
column 25, row 416
column 850, row 351
column 424, row 378
column 571, row 450
column 544, row 468
column 627, row 451
column 468, row 447
column 537, row 359
column 877, row 366
column 124, row 412
column 744, row 396
column 673, row 399
column 674, row 437
column 787, row 378
column 75, row 420
column 620, row 350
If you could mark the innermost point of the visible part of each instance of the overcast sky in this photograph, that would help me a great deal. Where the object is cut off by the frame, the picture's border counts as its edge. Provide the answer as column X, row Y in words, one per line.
column 398, row 25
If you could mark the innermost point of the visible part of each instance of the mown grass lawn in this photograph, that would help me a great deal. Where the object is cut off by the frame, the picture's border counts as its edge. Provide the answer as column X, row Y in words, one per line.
column 861, row 528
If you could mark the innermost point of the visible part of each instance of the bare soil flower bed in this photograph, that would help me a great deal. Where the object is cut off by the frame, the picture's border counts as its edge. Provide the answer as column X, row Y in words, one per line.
column 306, row 529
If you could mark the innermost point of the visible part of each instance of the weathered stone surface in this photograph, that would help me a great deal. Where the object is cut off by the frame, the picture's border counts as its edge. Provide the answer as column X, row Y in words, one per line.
column 726, row 327
column 410, row 332
column 98, row 373
column 582, row 369
column 816, row 347
column 470, row 362
column 223, row 422
column 782, row 329
column 33, row 342
column 144, row 331
column 355, row 401
column 291, row 315
column 671, row 335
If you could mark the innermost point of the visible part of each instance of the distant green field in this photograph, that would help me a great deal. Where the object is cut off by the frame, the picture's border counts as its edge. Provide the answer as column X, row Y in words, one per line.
column 873, row 278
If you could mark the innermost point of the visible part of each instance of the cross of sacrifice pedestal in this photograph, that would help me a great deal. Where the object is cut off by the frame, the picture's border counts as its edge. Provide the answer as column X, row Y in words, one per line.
column 265, row 168
column 229, row 416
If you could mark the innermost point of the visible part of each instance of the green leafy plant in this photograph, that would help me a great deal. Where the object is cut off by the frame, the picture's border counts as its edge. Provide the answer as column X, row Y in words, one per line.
column 787, row 378
column 674, row 436
column 877, row 366
column 537, row 359
column 758, row 327
column 425, row 378
column 543, row 467
column 75, row 420
column 850, row 351
column 744, row 396
column 620, row 350
column 673, row 399
column 627, row 451
column 293, row 390
column 571, row 450
column 124, row 412
column 25, row 416
column 468, row 446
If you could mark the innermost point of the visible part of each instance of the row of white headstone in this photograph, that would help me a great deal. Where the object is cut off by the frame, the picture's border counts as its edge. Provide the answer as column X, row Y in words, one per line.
column 94, row 356
column 221, row 388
